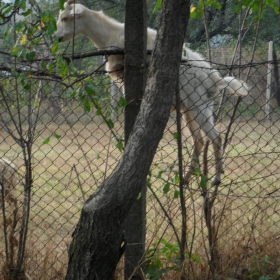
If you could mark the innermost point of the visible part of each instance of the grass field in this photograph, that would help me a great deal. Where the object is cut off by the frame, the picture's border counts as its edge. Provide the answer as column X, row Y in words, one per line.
column 70, row 167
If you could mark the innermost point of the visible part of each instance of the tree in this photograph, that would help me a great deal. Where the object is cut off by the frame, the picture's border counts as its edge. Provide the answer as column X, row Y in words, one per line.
column 222, row 20
column 98, row 241
column 135, row 57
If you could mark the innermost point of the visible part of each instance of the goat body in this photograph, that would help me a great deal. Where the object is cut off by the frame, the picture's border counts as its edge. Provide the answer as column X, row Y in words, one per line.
column 198, row 80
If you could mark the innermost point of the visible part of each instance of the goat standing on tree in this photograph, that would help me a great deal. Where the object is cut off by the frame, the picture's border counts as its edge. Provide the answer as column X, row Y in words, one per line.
column 198, row 81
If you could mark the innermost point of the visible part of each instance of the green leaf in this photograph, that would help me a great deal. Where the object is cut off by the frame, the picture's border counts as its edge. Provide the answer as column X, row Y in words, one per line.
column 122, row 102
column 86, row 105
column 37, row 102
column 110, row 123
column 54, row 47
column 43, row 64
column 166, row 188
column 6, row 8
column 62, row 67
column 176, row 135
column 197, row 12
column 157, row 6
column 75, row 92
column 98, row 111
column 61, row 4
column 90, row 89
column 19, row 25
column 28, row 12
column 46, row 141
column 57, row 136
column 203, row 181
column 276, row 10
column 193, row 257
column 49, row 22
column 171, row 167
column 176, row 194
column 197, row 171
column 120, row 145
column 14, row 51
column 21, row 4
column 160, row 173
column 26, row 85
column 50, row 68
column 30, row 56
column 51, row 28
column 177, row 178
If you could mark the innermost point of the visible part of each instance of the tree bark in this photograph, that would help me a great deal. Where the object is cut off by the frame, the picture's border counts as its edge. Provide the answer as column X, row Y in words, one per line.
column 98, row 238
column 135, row 82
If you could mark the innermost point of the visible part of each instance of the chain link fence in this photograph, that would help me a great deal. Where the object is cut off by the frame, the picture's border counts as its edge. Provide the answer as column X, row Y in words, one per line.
column 62, row 134
column 59, row 142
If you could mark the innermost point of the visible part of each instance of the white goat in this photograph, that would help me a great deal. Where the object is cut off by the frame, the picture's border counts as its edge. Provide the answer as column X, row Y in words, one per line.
column 198, row 81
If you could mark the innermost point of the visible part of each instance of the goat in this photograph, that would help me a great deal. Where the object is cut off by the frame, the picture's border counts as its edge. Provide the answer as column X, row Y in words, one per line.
column 198, row 80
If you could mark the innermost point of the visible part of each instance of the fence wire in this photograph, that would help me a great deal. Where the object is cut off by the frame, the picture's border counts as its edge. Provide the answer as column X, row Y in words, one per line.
column 62, row 141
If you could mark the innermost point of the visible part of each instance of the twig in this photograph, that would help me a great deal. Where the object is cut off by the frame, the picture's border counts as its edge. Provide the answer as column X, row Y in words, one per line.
column 104, row 118
column 80, row 185
column 4, row 221
column 231, row 122
column 181, row 179
column 107, row 158
column 166, row 215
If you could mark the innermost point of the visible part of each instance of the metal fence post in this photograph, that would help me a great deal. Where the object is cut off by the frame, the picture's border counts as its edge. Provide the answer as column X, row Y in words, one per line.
column 269, row 74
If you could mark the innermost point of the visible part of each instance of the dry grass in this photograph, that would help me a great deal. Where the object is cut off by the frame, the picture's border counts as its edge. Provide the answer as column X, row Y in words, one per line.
column 67, row 170
column 245, row 213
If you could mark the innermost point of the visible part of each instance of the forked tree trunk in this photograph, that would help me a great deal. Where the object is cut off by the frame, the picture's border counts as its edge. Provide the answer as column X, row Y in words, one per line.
column 98, row 238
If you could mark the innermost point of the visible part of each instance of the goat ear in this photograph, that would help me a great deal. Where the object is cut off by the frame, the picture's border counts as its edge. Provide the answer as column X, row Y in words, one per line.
column 76, row 10
column 68, row 4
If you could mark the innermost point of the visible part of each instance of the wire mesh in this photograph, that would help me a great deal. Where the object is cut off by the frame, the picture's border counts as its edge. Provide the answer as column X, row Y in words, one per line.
column 76, row 148
column 61, row 135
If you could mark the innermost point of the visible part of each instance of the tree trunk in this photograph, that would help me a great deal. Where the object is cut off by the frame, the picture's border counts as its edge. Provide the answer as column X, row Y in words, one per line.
column 135, row 82
column 98, row 238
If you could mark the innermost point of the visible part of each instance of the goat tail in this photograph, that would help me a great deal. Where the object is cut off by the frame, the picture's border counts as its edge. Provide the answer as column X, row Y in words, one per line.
column 235, row 86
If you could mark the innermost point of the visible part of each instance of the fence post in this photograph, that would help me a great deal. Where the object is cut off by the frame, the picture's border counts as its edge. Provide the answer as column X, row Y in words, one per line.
column 135, row 82
column 276, row 77
column 269, row 73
